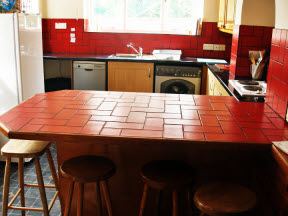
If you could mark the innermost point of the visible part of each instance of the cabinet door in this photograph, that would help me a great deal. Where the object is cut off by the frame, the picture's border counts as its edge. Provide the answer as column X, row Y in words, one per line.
column 219, row 90
column 130, row 76
column 210, row 83
column 222, row 13
column 230, row 14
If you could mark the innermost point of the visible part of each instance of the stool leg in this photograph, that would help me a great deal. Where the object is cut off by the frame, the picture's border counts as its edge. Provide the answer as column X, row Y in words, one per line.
column 175, row 203
column 106, row 197
column 69, row 199
column 21, row 183
column 159, row 202
column 80, row 199
column 98, row 200
column 143, row 201
column 6, row 187
column 189, row 201
column 53, row 172
column 41, row 187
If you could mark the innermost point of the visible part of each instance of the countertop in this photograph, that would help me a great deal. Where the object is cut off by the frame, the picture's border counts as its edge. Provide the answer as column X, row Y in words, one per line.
column 105, row 57
column 224, row 76
column 147, row 116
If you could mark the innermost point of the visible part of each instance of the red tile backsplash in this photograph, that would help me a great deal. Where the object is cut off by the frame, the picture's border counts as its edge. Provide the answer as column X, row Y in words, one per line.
column 55, row 40
column 277, row 89
column 246, row 38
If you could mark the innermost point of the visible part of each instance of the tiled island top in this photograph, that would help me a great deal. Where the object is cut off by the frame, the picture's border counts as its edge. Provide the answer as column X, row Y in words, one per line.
column 150, row 116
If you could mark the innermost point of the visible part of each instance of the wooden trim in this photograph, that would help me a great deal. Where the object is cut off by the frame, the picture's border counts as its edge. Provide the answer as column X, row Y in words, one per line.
column 41, row 187
column 106, row 197
column 204, row 80
column 36, row 185
column 25, row 208
column 4, row 130
column 71, row 63
column 14, row 198
column 21, row 182
column 143, row 200
column 226, row 30
column 118, row 140
column 6, row 187
column 53, row 201
column 69, row 198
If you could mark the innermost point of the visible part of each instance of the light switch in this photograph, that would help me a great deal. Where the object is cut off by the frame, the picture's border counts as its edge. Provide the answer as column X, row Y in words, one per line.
column 216, row 47
column 208, row 47
column 60, row 25
column 72, row 35
column 72, row 29
column 222, row 47
column 73, row 40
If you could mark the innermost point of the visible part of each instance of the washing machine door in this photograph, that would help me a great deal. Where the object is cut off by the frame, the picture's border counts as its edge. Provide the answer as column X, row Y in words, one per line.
column 177, row 86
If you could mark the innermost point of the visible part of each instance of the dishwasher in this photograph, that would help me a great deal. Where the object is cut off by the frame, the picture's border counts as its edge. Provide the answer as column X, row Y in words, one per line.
column 88, row 75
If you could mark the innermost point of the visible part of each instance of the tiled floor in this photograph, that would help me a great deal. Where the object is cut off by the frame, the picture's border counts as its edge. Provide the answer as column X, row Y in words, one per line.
column 32, row 196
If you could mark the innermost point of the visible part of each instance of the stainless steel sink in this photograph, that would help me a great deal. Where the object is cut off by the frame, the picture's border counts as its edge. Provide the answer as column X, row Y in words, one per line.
column 130, row 56
column 126, row 55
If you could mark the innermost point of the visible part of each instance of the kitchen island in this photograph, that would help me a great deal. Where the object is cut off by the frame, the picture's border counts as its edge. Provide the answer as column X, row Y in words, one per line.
column 219, row 136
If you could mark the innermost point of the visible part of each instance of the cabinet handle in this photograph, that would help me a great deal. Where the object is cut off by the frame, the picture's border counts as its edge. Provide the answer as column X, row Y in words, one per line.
column 149, row 72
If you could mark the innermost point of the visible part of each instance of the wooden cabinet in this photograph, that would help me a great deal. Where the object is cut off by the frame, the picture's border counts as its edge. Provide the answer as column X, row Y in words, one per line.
column 214, row 87
column 130, row 76
column 226, row 17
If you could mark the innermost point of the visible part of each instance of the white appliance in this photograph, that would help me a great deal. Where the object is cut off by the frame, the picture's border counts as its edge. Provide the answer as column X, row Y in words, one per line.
column 250, row 87
column 21, row 60
column 178, row 79
column 89, row 75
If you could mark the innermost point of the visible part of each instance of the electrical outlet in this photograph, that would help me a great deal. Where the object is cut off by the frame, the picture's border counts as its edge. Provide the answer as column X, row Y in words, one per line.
column 72, row 35
column 72, row 40
column 222, row 47
column 60, row 25
column 216, row 47
column 208, row 47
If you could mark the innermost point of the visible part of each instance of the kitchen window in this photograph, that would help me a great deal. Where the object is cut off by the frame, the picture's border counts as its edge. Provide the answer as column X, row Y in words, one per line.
column 143, row 16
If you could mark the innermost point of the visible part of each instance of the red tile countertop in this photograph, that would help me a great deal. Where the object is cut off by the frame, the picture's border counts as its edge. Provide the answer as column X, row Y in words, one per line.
column 144, row 115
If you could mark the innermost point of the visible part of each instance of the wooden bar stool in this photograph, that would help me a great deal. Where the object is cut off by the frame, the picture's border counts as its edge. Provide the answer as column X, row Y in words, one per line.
column 88, row 169
column 27, row 149
column 166, row 175
column 224, row 199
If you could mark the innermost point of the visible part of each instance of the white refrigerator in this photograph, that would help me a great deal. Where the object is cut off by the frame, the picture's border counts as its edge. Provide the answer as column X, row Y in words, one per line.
column 21, row 60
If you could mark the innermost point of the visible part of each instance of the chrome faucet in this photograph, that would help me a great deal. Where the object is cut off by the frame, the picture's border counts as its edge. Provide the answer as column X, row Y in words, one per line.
column 140, row 53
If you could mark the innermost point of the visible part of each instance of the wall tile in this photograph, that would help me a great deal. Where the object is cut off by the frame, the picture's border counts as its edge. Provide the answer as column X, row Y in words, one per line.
column 108, row 43
column 277, row 95
column 246, row 38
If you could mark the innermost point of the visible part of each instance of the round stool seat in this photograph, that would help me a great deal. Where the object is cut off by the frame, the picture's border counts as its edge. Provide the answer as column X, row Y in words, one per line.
column 162, row 174
column 88, row 168
column 223, row 199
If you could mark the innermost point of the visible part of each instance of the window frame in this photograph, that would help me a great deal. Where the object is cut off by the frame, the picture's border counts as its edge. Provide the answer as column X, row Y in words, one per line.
column 163, row 21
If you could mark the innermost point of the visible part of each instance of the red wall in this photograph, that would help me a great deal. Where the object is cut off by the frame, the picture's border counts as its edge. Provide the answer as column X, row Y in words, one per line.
column 277, row 93
column 109, row 43
column 247, row 38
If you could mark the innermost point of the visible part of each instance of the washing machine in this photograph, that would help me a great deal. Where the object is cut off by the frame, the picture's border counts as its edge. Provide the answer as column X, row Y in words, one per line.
column 178, row 79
